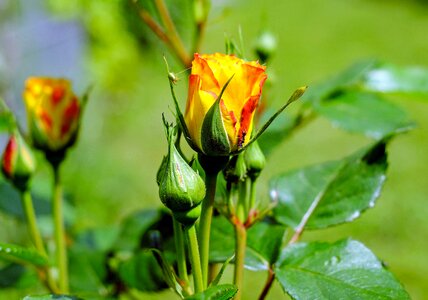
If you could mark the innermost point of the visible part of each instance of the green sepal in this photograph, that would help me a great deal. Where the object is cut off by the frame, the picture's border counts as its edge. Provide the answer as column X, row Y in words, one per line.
column 214, row 138
column 294, row 97
column 179, row 115
column 161, row 170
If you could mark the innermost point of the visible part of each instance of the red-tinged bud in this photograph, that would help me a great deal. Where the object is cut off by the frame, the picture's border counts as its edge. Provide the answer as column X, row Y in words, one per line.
column 18, row 163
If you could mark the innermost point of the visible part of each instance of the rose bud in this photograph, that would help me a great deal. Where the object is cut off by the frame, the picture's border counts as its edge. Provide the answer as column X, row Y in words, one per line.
column 18, row 164
column 223, row 94
column 53, row 113
column 181, row 189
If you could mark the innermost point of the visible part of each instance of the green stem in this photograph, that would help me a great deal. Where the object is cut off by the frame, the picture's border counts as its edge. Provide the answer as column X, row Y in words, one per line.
column 252, row 194
column 172, row 33
column 181, row 254
column 59, row 232
column 33, row 229
column 205, row 223
column 195, row 259
column 241, row 243
column 36, row 237
column 268, row 284
column 242, row 205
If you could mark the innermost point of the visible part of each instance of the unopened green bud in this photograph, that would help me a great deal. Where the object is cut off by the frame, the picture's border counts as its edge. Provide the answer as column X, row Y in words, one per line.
column 181, row 189
column 265, row 46
column 236, row 170
column 18, row 163
column 254, row 160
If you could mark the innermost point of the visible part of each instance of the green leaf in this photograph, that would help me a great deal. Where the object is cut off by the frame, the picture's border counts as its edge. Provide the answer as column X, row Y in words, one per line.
column 10, row 275
column 343, row 270
column 345, row 79
column 218, row 292
column 263, row 244
column 364, row 113
column 10, row 202
column 22, row 255
column 330, row 193
column 388, row 78
column 142, row 272
column 87, row 270
column 7, row 120
column 52, row 297
column 102, row 238
column 168, row 272
column 220, row 273
column 134, row 226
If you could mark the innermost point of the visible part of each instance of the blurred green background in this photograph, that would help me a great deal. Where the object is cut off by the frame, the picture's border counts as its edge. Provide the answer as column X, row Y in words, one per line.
column 111, row 171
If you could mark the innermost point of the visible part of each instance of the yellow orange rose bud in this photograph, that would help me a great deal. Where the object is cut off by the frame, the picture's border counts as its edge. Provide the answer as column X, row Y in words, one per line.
column 53, row 112
column 18, row 163
column 221, row 123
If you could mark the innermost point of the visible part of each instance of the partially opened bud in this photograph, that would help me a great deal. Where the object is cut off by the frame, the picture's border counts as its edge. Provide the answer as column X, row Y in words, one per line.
column 18, row 163
column 181, row 189
column 223, row 95
column 254, row 159
column 53, row 112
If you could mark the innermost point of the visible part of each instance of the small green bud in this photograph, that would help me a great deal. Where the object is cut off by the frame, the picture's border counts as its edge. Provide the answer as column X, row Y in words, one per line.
column 265, row 46
column 254, row 159
column 236, row 170
column 181, row 189
column 18, row 163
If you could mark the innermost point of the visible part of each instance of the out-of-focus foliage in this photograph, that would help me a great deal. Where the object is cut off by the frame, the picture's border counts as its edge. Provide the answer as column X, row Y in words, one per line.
column 316, row 40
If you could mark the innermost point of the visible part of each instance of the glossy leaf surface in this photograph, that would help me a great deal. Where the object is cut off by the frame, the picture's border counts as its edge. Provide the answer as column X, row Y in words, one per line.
column 21, row 254
column 388, row 78
column 365, row 113
column 218, row 292
column 343, row 270
column 330, row 193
